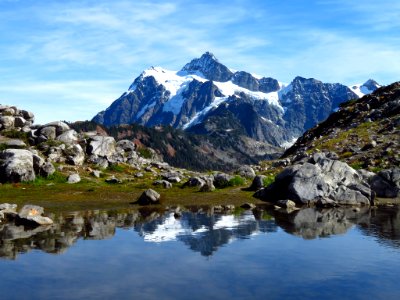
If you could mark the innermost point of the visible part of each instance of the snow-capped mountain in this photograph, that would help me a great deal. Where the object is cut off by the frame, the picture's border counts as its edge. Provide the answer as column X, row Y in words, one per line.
column 205, row 96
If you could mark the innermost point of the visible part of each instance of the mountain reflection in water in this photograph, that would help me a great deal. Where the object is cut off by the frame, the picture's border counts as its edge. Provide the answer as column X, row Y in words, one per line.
column 203, row 231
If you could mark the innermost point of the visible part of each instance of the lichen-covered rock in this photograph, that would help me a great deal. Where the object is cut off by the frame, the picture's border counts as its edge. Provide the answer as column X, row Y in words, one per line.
column 33, row 213
column 48, row 132
column 74, row 155
column 30, row 210
column 68, row 137
column 126, row 145
column 16, row 165
column 101, row 146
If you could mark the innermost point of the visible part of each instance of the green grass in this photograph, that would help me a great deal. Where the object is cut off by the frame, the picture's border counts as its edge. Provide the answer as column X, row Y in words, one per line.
column 95, row 194
column 269, row 179
column 14, row 134
column 55, row 178
column 356, row 165
column 117, row 168
column 362, row 132
column 3, row 147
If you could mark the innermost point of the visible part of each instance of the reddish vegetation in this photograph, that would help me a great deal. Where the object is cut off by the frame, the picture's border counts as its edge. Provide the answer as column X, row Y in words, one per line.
column 171, row 151
column 101, row 131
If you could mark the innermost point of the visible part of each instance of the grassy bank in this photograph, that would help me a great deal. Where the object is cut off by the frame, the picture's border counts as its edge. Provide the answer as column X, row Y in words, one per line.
column 95, row 193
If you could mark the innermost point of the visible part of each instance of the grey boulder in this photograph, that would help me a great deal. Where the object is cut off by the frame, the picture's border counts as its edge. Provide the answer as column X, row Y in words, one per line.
column 101, row 146
column 74, row 155
column 68, row 137
column 221, row 180
column 258, row 183
column 16, row 165
column 386, row 183
column 33, row 213
column 148, row 197
column 246, row 171
column 208, row 186
column 73, row 178
column 164, row 183
column 322, row 177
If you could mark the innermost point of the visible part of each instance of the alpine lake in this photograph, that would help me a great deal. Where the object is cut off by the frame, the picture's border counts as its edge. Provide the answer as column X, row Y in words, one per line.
column 197, row 250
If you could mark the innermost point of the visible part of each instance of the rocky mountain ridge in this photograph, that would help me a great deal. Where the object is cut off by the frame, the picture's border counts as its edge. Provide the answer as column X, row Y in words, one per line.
column 205, row 90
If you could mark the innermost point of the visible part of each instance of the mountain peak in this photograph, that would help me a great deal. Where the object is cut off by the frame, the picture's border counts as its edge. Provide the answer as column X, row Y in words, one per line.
column 371, row 85
column 208, row 56
column 209, row 66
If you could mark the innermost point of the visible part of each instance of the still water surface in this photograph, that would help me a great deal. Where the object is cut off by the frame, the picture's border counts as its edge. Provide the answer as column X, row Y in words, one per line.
column 310, row 254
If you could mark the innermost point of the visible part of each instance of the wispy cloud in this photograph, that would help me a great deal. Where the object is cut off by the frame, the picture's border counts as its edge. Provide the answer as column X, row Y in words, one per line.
column 89, row 51
column 61, row 100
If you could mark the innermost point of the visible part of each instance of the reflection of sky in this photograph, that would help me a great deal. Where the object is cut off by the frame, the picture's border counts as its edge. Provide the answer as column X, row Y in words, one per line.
column 272, row 266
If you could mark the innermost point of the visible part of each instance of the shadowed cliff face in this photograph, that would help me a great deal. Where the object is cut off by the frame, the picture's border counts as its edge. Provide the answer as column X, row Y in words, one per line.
column 201, row 231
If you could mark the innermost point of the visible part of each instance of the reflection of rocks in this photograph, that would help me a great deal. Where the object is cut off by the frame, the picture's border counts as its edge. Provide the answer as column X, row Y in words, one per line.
column 385, row 225
column 311, row 223
column 65, row 231
column 201, row 229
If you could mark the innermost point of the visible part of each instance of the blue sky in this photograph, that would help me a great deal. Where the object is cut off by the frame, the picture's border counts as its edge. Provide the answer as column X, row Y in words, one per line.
column 67, row 60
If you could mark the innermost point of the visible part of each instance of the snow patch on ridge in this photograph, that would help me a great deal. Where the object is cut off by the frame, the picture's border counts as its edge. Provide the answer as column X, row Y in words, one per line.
column 361, row 89
column 230, row 89
column 289, row 143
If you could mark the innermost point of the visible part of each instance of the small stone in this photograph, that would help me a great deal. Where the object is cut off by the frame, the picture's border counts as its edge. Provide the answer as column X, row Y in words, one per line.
column 286, row 204
column 208, row 186
column 73, row 178
column 248, row 206
column 258, row 183
column 47, row 169
column 148, row 197
column 96, row 173
column 6, row 207
column 166, row 184
column 113, row 180
column 30, row 211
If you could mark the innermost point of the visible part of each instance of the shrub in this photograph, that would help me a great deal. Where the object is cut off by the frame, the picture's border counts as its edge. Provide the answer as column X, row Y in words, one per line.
column 236, row 181
column 145, row 153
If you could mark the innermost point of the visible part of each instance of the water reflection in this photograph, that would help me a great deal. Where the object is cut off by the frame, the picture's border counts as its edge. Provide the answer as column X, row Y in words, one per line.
column 311, row 223
column 202, row 230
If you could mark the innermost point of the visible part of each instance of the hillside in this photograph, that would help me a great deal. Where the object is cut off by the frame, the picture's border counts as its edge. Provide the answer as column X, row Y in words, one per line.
column 364, row 133
column 215, row 151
